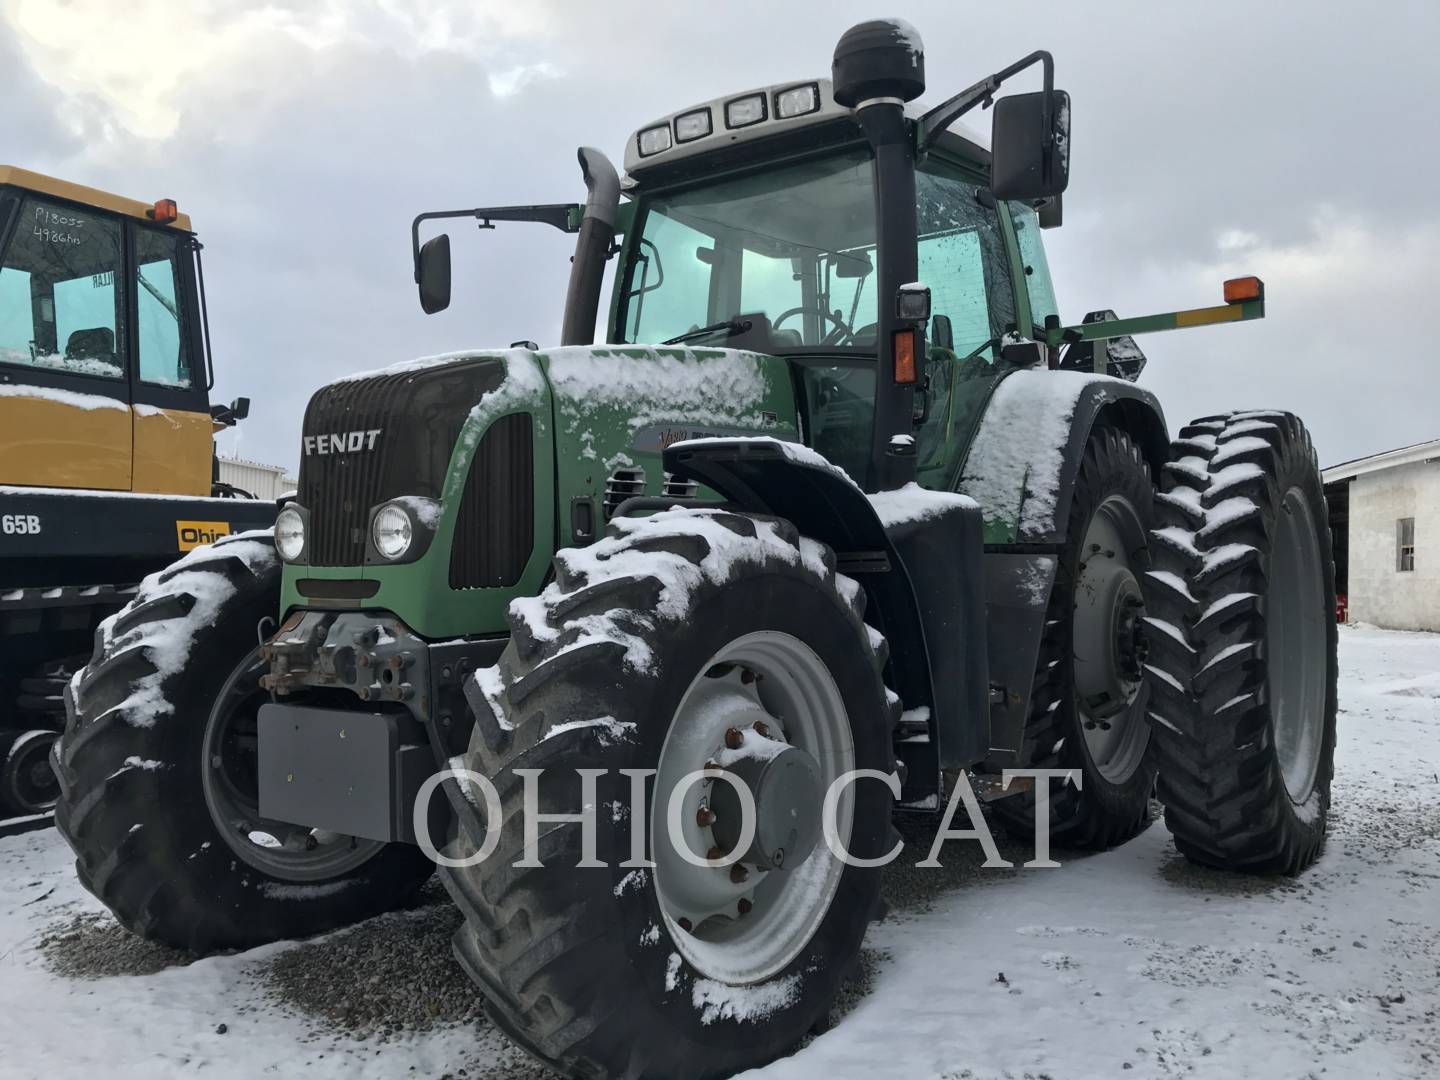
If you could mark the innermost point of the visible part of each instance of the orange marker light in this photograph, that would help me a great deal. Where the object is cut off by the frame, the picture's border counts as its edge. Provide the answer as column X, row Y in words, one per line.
column 1239, row 290
column 905, row 357
column 164, row 212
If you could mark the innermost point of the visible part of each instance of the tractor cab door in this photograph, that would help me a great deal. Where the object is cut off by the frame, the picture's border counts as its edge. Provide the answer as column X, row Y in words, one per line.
column 963, row 258
column 65, row 418
column 173, row 430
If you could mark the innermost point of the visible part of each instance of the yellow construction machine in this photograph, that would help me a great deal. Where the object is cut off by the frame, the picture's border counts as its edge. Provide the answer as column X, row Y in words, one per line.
column 107, row 464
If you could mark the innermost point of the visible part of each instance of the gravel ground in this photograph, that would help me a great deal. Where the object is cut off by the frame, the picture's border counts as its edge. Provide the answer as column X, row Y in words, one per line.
column 91, row 945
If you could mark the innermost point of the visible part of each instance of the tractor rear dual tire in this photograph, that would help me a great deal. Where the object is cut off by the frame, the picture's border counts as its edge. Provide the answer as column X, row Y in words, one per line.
column 588, row 968
column 1244, row 648
column 131, row 764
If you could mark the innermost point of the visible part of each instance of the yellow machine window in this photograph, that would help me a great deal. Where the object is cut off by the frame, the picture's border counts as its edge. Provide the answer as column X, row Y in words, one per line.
column 61, row 306
column 164, row 335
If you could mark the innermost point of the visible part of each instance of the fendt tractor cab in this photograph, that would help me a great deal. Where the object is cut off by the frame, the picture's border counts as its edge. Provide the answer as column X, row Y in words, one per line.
column 841, row 519
column 106, row 438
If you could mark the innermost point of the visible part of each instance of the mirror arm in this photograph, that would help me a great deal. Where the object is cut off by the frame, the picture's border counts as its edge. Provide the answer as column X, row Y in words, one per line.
column 946, row 113
column 563, row 216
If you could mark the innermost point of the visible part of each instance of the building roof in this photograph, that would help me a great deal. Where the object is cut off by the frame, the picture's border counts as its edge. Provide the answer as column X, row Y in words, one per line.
column 1388, row 459
column 279, row 470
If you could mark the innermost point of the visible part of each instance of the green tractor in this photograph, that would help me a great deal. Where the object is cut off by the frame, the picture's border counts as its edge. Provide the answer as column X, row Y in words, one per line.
column 672, row 626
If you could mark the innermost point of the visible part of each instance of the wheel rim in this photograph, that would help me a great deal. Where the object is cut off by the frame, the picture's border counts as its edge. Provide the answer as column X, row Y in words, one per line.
column 746, row 931
column 229, row 774
column 1296, row 645
column 33, row 786
column 1108, row 640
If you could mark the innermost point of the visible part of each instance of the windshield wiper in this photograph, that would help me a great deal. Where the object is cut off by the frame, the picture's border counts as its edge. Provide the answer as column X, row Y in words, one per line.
column 730, row 326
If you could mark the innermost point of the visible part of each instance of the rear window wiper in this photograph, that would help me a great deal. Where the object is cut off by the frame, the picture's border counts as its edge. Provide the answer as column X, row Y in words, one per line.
column 730, row 326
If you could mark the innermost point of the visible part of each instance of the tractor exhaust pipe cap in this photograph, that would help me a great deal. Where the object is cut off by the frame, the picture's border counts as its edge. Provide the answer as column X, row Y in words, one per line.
column 882, row 58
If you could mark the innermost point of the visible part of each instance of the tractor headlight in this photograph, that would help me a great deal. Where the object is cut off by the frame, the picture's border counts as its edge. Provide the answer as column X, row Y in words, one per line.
column 392, row 530
column 290, row 533
column 742, row 112
column 797, row 101
column 692, row 125
column 654, row 140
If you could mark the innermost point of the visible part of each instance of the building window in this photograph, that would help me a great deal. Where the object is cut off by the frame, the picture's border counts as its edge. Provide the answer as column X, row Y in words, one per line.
column 1405, row 544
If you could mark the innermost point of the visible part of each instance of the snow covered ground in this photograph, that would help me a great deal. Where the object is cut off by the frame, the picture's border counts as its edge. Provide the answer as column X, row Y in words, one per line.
column 1129, row 963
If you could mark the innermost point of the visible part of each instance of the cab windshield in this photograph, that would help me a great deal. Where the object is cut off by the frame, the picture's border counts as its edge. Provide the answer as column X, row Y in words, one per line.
column 783, row 261
column 790, row 250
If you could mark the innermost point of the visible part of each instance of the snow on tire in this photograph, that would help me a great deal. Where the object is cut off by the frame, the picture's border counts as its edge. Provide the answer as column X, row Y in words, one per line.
column 132, row 766
column 1243, row 644
column 671, row 645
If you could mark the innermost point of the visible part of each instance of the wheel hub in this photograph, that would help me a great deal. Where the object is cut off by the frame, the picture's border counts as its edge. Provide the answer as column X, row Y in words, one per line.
column 1110, row 642
column 784, row 782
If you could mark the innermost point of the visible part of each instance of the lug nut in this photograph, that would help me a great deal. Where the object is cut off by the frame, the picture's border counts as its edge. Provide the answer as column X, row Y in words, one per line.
column 704, row 817
column 744, row 906
column 762, row 729
column 738, row 873
column 734, row 739
column 778, row 858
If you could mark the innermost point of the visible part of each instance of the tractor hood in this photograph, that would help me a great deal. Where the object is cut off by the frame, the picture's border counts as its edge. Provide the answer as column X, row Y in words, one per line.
column 618, row 407
column 501, row 455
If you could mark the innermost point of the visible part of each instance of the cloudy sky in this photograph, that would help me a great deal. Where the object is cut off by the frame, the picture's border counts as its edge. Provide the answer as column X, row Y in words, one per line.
column 1292, row 140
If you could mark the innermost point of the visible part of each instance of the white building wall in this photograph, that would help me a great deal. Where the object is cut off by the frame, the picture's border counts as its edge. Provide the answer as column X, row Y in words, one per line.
column 1379, row 593
column 263, row 481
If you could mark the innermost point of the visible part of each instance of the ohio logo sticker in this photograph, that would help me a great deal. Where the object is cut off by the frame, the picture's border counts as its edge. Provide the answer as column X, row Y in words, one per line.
column 191, row 534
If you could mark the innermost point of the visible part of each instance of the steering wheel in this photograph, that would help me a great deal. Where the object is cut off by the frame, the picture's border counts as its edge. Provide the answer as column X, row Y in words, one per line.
column 840, row 334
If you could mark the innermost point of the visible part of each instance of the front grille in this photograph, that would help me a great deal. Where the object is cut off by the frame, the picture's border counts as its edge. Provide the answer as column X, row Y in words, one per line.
column 495, row 525
column 417, row 416
column 623, row 484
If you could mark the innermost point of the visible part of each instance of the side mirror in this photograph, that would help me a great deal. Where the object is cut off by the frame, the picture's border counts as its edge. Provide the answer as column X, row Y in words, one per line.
column 432, row 274
column 942, row 333
column 853, row 266
column 232, row 414
column 1030, row 150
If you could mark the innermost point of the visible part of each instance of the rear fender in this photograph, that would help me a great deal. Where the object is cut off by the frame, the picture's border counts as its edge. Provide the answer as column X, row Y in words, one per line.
column 1022, row 465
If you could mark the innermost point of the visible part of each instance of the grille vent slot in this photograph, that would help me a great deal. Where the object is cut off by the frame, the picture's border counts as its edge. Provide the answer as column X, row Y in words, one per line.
column 495, row 525
column 623, row 484
column 679, row 489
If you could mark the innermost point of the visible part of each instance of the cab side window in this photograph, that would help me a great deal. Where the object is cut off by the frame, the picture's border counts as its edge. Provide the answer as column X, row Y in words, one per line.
column 1032, row 255
column 61, row 300
column 163, row 333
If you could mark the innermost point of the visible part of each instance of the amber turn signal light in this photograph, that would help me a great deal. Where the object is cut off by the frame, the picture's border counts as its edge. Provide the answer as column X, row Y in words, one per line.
column 1241, row 289
column 905, row 357
column 164, row 212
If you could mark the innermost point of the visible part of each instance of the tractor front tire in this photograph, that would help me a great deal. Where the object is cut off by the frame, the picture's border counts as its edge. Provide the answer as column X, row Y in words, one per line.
column 1087, row 704
column 1245, row 648
column 687, row 643
column 159, row 721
